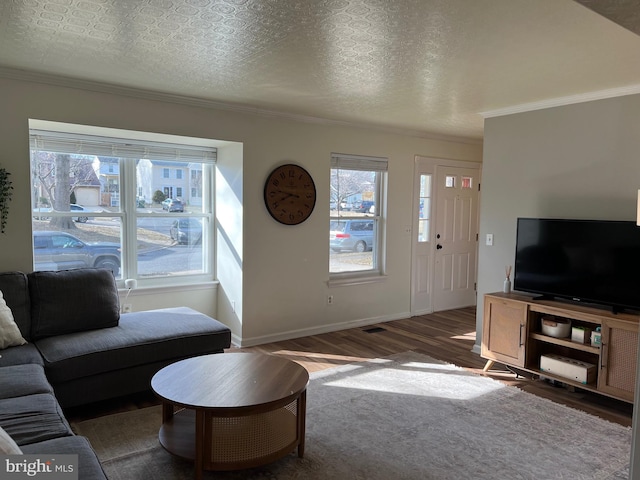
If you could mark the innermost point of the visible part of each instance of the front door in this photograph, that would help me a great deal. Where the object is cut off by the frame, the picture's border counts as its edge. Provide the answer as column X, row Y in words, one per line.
column 455, row 237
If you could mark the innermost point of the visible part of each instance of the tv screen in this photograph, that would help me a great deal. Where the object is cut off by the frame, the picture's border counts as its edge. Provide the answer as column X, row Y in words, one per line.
column 591, row 261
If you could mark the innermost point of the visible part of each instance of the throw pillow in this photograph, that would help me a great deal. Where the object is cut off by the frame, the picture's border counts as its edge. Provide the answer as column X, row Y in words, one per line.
column 10, row 335
column 7, row 445
column 70, row 301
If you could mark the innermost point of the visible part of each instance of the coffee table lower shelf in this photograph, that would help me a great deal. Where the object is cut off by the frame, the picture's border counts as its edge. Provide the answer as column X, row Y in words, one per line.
column 235, row 442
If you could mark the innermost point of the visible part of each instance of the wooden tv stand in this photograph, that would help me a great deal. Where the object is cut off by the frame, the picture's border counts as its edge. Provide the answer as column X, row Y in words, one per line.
column 511, row 335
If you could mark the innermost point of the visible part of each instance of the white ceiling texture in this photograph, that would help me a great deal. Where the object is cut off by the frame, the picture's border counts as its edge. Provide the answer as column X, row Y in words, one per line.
column 425, row 67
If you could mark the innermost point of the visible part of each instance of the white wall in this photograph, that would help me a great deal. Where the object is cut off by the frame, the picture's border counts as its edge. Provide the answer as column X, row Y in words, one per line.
column 577, row 161
column 283, row 271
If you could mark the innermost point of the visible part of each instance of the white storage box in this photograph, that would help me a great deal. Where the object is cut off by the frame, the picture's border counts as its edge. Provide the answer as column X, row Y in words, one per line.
column 580, row 334
column 570, row 368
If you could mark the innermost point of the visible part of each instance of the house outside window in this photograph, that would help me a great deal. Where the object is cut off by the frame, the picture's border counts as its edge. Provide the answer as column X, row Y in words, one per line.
column 356, row 227
column 165, row 172
column 179, row 174
column 114, row 182
column 195, row 182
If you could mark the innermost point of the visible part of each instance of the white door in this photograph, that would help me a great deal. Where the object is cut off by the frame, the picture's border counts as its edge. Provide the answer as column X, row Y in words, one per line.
column 455, row 237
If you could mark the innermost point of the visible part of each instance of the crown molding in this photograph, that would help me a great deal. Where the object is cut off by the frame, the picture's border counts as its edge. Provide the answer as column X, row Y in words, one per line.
column 139, row 93
column 563, row 101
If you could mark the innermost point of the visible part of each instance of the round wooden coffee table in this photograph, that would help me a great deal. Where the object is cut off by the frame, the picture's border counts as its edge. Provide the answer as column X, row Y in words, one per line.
column 231, row 411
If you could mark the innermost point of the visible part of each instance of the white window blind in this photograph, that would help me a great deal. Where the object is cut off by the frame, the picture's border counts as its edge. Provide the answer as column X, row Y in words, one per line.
column 358, row 162
column 79, row 144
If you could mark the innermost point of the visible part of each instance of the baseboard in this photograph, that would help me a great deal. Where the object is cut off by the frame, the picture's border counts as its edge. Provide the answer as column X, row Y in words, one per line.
column 426, row 311
column 305, row 332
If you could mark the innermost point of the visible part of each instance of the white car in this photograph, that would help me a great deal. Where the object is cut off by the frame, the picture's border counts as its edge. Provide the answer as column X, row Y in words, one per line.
column 73, row 207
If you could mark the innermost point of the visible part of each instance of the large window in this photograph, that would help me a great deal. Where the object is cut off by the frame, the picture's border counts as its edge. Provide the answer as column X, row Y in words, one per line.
column 107, row 202
column 356, row 227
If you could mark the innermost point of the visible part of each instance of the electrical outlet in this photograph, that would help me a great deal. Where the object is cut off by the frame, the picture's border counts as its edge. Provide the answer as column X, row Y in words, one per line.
column 126, row 308
column 329, row 299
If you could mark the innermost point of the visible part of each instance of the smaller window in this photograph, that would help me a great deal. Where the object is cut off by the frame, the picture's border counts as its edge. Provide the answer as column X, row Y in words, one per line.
column 467, row 182
column 355, row 229
column 424, row 208
column 450, row 181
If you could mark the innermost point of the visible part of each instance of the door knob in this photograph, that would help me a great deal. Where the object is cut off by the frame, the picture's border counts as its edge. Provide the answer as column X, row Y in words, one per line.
column 438, row 246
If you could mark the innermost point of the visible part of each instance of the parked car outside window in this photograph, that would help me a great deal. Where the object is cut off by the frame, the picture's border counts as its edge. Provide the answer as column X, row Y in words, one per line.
column 61, row 251
column 173, row 205
column 78, row 208
column 351, row 235
column 186, row 231
column 363, row 206
column 72, row 207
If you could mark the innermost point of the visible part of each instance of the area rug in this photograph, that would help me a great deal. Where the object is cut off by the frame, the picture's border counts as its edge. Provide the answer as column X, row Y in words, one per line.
column 406, row 416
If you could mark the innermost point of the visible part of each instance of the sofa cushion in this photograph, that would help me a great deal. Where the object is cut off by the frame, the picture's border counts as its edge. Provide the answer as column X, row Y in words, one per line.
column 7, row 445
column 89, row 467
column 33, row 418
column 20, row 355
column 20, row 380
column 10, row 335
column 140, row 338
column 15, row 290
column 72, row 301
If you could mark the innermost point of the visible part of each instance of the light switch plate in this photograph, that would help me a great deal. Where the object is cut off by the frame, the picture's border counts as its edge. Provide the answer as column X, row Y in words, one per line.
column 489, row 239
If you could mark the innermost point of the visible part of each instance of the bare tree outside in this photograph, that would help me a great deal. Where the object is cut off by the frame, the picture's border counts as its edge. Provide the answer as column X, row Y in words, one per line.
column 346, row 183
column 58, row 174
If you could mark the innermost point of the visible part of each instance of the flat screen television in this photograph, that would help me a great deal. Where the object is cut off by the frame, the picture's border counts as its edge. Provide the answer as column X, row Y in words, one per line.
column 589, row 261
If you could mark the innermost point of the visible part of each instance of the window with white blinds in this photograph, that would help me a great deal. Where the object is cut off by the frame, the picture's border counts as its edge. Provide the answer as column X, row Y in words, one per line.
column 142, row 207
column 356, row 227
column 78, row 144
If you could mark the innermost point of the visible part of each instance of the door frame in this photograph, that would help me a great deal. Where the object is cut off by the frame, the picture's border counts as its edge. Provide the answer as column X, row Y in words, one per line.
column 429, row 165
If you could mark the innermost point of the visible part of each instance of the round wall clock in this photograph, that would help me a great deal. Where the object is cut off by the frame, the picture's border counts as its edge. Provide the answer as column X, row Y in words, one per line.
column 290, row 194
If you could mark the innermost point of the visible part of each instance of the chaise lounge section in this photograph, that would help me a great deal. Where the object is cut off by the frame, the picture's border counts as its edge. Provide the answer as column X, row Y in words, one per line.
column 79, row 350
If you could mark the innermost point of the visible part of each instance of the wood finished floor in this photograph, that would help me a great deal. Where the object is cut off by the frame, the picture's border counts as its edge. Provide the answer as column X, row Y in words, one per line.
column 447, row 336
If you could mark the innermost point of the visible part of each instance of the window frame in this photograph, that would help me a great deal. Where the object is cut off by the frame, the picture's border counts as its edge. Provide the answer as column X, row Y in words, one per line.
column 378, row 165
column 128, row 194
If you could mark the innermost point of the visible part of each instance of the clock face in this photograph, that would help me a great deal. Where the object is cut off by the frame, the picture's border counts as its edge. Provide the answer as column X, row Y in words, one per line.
column 290, row 194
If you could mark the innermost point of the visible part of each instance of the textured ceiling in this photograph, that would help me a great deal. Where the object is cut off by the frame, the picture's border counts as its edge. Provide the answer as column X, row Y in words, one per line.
column 424, row 66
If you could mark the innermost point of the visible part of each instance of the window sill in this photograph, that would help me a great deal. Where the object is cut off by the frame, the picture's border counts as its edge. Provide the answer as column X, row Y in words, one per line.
column 344, row 281
column 182, row 287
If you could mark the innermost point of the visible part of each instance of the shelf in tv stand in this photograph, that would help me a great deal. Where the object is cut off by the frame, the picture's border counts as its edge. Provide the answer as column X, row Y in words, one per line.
column 567, row 381
column 565, row 343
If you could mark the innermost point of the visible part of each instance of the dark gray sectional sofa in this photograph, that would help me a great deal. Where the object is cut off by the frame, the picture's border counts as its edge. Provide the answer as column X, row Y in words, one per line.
column 81, row 350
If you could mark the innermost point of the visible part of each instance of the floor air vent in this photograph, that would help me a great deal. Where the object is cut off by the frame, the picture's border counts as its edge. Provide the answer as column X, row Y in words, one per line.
column 374, row 330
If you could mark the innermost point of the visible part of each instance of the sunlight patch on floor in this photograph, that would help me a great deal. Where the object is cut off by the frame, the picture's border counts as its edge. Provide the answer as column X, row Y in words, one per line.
column 433, row 380
column 471, row 336
column 323, row 356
